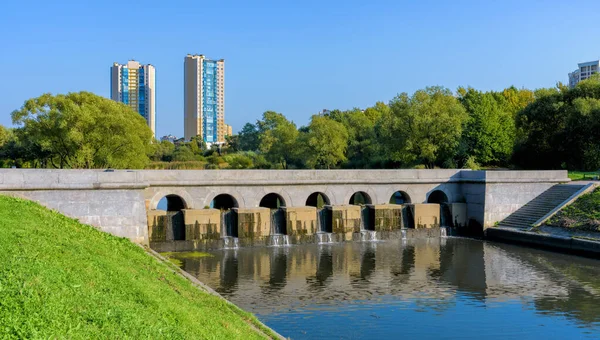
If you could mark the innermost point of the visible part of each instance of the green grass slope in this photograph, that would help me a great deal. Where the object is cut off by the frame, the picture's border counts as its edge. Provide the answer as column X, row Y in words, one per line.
column 583, row 214
column 63, row 279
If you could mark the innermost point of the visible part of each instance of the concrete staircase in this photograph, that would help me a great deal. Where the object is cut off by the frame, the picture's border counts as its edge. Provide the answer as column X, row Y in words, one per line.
column 540, row 206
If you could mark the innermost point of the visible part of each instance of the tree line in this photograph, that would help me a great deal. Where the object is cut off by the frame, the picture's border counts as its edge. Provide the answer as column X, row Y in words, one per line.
column 548, row 128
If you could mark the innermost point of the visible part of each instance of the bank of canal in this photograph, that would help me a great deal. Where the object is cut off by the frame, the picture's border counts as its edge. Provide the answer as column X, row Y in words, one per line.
column 63, row 279
column 415, row 288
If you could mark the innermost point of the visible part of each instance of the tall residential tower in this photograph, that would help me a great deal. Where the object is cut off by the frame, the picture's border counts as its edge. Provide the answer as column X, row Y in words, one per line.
column 133, row 84
column 204, row 99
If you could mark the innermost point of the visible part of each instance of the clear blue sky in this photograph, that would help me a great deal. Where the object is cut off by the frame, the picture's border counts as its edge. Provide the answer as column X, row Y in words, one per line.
column 292, row 58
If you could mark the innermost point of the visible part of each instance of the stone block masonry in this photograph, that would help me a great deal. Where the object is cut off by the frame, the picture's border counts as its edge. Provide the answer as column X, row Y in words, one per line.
column 345, row 220
column 388, row 217
column 202, row 224
column 253, row 224
column 157, row 225
column 301, row 221
column 426, row 215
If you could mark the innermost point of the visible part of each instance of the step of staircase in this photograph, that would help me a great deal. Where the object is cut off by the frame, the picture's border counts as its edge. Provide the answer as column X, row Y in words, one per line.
column 537, row 208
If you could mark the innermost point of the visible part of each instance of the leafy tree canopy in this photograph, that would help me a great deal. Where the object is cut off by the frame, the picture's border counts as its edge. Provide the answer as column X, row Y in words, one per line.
column 82, row 130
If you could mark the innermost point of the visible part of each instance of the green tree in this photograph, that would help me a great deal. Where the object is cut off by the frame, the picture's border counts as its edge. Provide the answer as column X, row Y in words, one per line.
column 489, row 132
column 163, row 151
column 561, row 128
column 184, row 153
column 83, row 130
column 238, row 161
column 277, row 137
column 248, row 138
column 325, row 143
column 423, row 128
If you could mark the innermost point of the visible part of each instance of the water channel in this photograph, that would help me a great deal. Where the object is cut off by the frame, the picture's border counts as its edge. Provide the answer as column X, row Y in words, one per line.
column 412, row 288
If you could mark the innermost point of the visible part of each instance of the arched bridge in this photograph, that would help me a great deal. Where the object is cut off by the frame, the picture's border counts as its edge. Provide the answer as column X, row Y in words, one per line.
column 119, row 201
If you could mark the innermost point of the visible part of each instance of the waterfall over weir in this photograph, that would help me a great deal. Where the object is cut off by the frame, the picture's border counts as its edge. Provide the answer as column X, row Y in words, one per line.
column 324, row 238
column 230, row 232
column 279, row 237
column 367, row 234
column 231, row 242
column 324, row 235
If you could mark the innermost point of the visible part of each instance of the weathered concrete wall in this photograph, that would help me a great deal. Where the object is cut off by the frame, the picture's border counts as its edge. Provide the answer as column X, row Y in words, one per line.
column 157, row 225
column 345, row 220
column 426, row 215
column 388, row 217
column 458, row 212
column 253, row 223
column 202, row 224
column 301, row 221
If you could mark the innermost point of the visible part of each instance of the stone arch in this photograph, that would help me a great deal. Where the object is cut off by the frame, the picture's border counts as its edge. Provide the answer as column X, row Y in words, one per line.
column 400, row 197
column 317, row 199
column 360, row 197
column 260, row 194
column 174, row 215
column 182, row 194
column 438, row 196
column 272, row 200
column 224, row 202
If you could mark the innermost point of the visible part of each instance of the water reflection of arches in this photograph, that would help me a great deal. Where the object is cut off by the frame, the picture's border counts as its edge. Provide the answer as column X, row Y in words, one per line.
column 437, row 196
column 278, row 272
column 229, row 273
column 360, row 198
column 272, row 201
column 324, row 270
column 317, row 200
column 224, row 202
column 400, row 197
column 174, row 205
column 367, row 263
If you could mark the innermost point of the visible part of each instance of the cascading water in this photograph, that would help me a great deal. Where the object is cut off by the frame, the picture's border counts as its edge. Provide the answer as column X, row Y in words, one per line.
column 366, row 235
column 443, row 232
column 231, row 242
column 324, row 236
column 230, row 238
column 278, row 229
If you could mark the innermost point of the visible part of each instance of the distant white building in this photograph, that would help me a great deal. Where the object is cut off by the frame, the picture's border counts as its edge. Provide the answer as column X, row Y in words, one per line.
column 169, row 138
column 583, row 72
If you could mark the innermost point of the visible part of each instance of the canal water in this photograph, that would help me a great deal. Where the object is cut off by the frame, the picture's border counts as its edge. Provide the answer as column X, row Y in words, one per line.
column 412, row 289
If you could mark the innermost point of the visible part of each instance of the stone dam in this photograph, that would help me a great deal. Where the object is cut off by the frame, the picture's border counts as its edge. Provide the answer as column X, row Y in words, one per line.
column 228, row 208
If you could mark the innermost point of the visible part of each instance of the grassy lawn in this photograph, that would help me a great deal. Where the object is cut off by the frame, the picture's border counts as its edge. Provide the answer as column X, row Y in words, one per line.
column 63, row 279
column 583, row 214
column 581, row 175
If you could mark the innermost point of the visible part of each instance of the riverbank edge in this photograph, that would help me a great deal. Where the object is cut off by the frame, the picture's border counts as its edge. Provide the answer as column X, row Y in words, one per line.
column 256, row 323
column 568, row 244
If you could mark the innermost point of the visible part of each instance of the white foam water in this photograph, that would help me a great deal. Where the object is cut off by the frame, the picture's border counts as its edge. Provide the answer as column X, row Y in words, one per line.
column 279, row 240
column 368, row 236
column 231, row 242
column 324, row 238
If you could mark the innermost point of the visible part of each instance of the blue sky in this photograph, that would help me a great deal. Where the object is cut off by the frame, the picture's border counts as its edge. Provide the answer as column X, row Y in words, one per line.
column 292, row 57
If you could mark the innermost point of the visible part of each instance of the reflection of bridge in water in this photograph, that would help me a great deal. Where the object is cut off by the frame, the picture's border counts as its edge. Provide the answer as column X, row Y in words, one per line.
column 265, row 280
